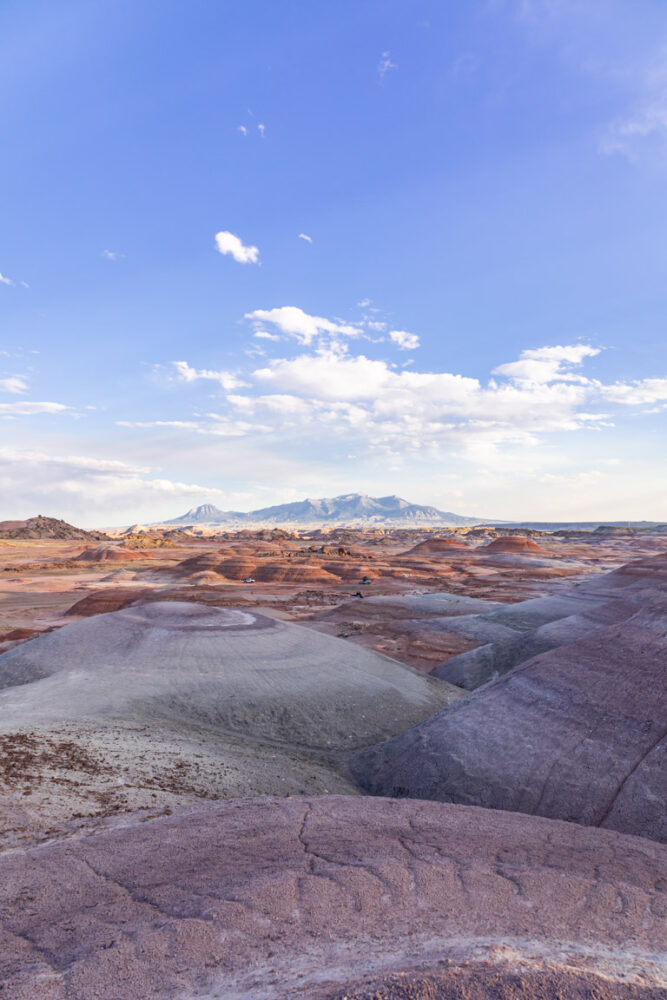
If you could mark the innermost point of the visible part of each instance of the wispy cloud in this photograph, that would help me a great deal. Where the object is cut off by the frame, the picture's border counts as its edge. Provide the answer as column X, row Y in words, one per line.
column 245, row 129
column 24, row 409
column 641, row 392
column 545, row 364
column 179, row 424
column 228, row 243
column 112, row 254
column 213, row 425
column 4, row 280
column 404, row 340
column 265, row 335
column 76, row 485
column 294, row 322
column 303, row 236
column 227, row 380
column 14, row 384
column 625, row 135
column 384, row 66
column 644, row 126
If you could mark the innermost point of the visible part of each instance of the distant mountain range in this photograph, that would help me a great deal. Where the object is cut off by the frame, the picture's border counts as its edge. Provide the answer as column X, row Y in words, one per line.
column 351, row 510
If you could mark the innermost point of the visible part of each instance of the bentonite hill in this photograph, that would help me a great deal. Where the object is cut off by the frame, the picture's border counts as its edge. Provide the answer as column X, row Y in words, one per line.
column 193, row 701
column 185, row 759
column 332, row 897
column 576, row 732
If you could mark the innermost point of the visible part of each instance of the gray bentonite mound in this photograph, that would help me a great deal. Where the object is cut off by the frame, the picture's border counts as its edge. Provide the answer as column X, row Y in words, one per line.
column 165, row 702
column 516, row 632
column 577, row 733
column 231, row 669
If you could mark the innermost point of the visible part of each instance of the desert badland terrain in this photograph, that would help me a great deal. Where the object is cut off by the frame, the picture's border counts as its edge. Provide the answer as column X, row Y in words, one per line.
column 332, row 762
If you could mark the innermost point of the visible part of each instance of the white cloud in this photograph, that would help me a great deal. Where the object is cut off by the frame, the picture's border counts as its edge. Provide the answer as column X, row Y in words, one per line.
column 92, row 465
column 284, row 404
column 111, row 254
column 23, row 409
column 385, row 65
column 228, row 243
column 639, row 393
column 296, row 418
column 261, row 129
column 547, row 364
column 214, row 425
column 303, row 236
column 185, row 373
column 409, row 411
column 403, row 409
column 405, row 341
column 74, row 487
column 14, row 384
column 178, row 424
column 330, row 401
column 243, row 130
column 265, row 335
column 5, row 280
column 296, row 323
column 328, row 375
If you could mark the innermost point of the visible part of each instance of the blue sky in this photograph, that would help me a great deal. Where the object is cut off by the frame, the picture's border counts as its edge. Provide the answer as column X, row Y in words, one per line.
column 476, row 318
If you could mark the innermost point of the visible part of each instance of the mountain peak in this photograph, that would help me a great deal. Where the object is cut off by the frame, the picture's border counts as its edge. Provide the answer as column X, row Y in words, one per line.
column 203, row 509
column 347, row 509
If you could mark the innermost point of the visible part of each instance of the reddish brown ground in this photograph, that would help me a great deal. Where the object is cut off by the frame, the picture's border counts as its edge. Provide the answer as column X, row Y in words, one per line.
column 44, row 583
column 322, row 898
column 489, row 982
column 515, row 543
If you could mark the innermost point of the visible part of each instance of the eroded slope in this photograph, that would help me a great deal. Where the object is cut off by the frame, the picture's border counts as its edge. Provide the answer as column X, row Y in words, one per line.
column 305, row 897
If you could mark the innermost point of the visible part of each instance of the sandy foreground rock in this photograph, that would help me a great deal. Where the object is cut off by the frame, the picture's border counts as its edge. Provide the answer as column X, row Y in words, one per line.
column 303, row 897
column 162, row 703
column 576, row 733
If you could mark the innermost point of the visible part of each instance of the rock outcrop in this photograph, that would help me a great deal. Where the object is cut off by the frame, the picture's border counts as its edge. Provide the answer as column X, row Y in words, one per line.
column 109, row 553
column 48, row 527
column 313, row 898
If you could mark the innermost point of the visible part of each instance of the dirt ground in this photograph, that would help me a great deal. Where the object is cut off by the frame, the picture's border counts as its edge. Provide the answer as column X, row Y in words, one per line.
column 46, row 583
column 488, row 982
